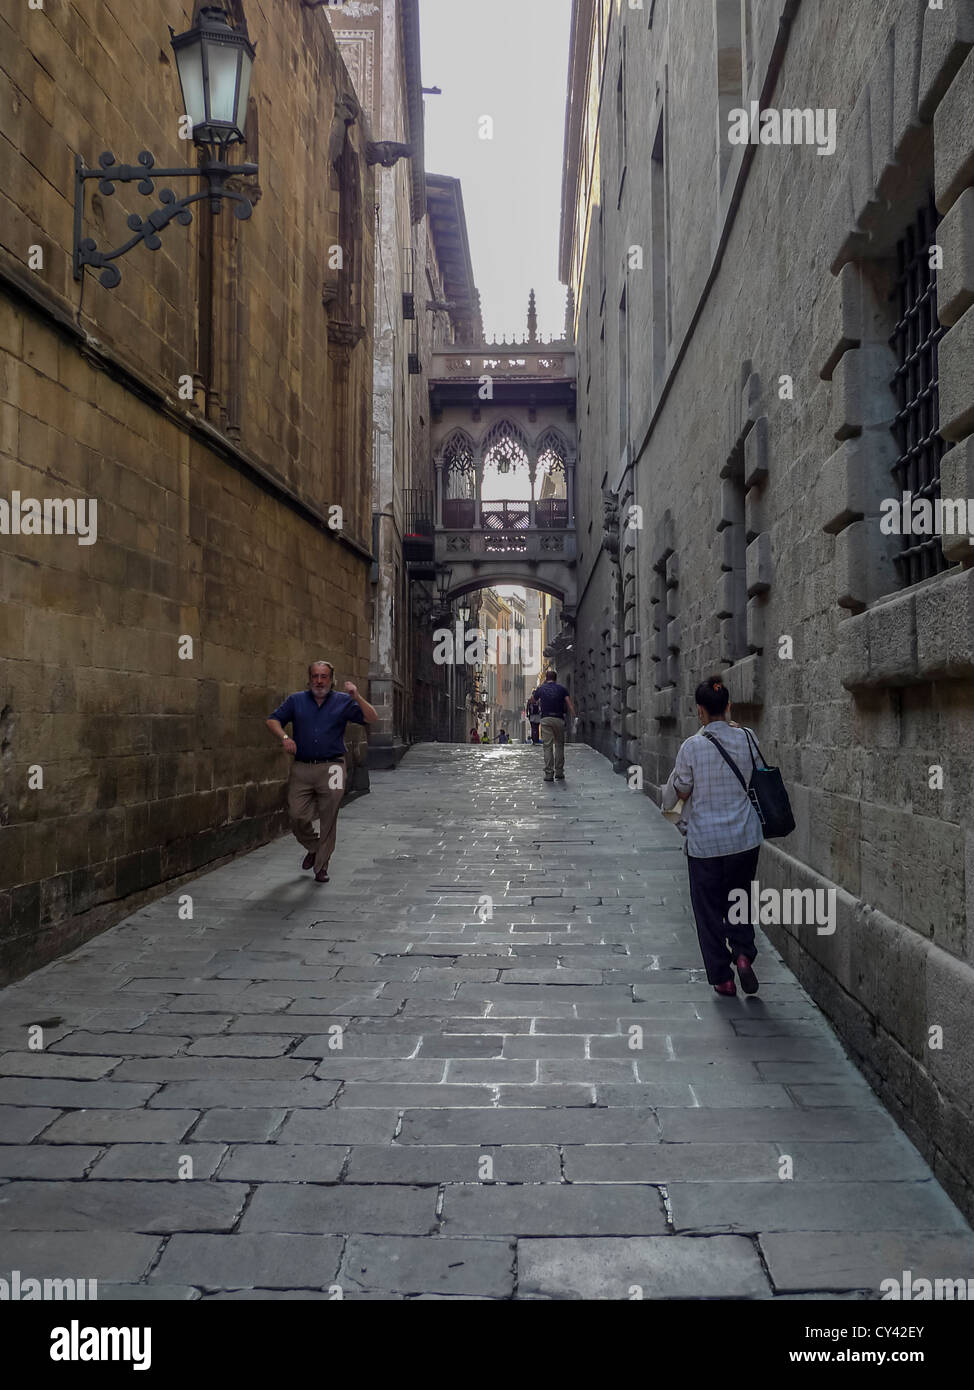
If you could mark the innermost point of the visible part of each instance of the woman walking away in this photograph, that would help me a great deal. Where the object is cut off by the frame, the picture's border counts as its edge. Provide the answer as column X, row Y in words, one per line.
column 723, row 838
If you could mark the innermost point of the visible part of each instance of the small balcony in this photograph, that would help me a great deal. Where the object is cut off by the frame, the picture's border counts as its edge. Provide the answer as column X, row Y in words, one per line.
column 476, row 522
column 504, row 529
column 418, row 545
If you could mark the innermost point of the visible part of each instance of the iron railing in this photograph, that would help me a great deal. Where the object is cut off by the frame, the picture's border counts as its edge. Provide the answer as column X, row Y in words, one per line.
column 915, row 384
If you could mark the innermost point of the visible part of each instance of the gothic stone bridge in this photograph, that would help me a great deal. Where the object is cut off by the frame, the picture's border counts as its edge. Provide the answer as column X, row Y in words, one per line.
column 504, row 446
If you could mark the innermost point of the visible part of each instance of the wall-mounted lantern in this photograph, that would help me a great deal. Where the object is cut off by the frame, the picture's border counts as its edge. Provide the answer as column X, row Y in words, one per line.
column 214, row 62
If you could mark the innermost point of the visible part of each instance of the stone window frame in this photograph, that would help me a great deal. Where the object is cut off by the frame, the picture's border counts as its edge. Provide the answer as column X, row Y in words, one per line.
column 622, row 115
column 731, row 65
column 912, row 115
column 661, row 261
column 746, row 561
column 664, row 598
column 910, row 402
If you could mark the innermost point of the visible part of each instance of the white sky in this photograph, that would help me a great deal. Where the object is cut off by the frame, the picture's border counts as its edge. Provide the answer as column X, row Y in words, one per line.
column 507, row 59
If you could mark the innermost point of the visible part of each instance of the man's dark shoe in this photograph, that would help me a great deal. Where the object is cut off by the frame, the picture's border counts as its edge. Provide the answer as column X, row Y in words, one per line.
column 559, row 777
column 549, row 779
column 322, row 876
column 727, row 989
column 308, row 862
column 746, row 975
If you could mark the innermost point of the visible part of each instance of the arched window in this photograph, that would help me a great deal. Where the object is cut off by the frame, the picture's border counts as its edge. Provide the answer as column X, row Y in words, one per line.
column 550, row 486
column 460, row 479
column 505, row 448
column 506, row 486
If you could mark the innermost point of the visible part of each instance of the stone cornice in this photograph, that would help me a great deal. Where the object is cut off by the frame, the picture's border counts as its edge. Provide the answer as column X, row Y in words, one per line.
column 409, row 19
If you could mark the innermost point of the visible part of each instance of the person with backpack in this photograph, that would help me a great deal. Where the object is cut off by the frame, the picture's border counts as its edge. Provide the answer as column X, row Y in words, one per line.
column 534, row 719
column 723, row 835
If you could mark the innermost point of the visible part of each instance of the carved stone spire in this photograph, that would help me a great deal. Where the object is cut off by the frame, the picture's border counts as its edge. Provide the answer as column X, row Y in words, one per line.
column 532, row 319
column 570, row 314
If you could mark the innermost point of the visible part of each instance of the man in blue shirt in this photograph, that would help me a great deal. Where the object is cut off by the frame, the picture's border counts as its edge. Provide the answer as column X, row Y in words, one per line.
column 318, row 717
column 554, row 700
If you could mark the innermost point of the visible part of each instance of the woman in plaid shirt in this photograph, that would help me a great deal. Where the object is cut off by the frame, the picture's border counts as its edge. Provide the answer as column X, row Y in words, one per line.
column 723, row 837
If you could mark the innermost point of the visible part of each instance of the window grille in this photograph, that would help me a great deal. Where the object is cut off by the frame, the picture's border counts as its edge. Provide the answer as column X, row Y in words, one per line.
column 915, row 385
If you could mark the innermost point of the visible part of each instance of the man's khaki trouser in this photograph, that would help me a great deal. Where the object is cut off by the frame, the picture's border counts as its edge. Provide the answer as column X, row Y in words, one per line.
column 312, row 792
column 553, row 737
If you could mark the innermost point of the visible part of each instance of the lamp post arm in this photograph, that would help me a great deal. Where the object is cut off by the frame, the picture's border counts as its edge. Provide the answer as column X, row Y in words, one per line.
column 214, row 171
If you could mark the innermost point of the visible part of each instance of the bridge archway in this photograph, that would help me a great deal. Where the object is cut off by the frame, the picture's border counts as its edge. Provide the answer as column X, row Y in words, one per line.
column 491, row 581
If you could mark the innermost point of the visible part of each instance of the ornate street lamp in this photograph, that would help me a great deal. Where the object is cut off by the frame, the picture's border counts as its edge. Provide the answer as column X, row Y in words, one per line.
column 214, row 62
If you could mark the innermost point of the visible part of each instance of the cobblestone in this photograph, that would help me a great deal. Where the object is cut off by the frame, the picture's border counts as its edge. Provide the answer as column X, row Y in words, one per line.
column 381, row 1093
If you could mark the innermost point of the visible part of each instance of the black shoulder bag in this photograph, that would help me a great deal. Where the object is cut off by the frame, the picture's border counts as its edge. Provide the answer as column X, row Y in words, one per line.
column 766, row 790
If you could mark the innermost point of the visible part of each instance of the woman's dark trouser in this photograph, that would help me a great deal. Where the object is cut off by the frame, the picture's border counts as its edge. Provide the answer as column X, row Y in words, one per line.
column 711, row 883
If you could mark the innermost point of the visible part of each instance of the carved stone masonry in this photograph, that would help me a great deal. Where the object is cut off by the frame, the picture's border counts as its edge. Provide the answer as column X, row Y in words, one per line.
column 610, row 524
column 386, row 152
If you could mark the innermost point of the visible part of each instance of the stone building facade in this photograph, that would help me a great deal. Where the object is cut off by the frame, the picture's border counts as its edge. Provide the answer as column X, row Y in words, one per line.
column 425, row 297
column 767, row 221
column 136, row 672
column 447, row 308
column 379, row 40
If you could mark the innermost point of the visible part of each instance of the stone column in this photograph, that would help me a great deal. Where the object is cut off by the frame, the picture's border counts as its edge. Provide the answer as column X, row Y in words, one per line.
column 479, row 472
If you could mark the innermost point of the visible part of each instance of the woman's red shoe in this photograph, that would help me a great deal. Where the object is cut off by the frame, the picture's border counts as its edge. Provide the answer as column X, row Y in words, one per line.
column 746, row 975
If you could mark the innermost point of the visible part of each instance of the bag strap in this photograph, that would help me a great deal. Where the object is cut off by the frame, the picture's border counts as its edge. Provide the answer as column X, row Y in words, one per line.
column 727, row 759
column 751, row 739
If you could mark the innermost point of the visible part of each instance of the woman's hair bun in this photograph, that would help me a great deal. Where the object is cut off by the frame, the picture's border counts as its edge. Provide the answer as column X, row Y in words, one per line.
column 712, row 695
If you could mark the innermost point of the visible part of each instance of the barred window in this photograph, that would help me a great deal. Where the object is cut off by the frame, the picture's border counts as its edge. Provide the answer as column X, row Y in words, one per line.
column 915, row 385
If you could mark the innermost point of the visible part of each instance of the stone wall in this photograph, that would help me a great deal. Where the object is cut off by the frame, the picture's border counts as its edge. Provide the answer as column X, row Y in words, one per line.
column 213, row 514
column 758, row 443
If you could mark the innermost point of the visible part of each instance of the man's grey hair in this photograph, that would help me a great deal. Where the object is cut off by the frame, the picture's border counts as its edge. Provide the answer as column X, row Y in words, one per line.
column 331, row 669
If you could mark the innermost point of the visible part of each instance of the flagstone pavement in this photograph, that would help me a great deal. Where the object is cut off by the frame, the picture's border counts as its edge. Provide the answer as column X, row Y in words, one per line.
column 482, row 1062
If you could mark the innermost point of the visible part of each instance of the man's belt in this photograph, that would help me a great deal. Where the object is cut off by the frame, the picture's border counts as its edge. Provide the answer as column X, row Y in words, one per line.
column 339, row 758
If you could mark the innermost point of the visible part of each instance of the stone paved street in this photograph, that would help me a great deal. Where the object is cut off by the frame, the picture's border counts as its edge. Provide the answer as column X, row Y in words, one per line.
column 536, row 1092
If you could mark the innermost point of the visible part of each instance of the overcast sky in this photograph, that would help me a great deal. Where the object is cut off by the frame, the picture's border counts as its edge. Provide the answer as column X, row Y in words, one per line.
column 507, row 59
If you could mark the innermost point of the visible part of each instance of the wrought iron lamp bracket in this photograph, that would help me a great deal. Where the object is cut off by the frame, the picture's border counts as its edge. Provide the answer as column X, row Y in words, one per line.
column 213, row 171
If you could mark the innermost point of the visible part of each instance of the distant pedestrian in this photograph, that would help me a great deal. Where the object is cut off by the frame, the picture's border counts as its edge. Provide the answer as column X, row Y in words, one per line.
column 534, row 719
column 318, row 717
column 554, row 702
column 724, row 836
column 474, row 736
column 503, row 737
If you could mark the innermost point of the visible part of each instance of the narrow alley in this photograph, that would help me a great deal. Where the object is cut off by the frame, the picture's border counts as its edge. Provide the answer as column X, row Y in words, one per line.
column 483, row 1062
